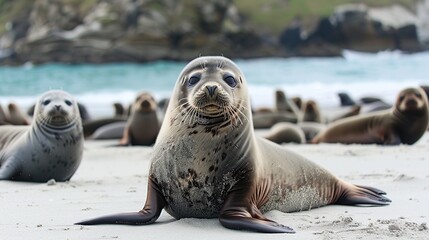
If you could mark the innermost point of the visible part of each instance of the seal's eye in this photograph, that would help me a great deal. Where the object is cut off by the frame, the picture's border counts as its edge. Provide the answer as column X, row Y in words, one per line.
column 193, row 80
column 401, row 98
column 46, row 102
column 418, row 95
column 69, row 103
column 230, row 80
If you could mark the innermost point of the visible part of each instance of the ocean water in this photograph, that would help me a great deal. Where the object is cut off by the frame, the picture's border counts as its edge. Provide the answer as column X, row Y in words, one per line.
column 360, row 74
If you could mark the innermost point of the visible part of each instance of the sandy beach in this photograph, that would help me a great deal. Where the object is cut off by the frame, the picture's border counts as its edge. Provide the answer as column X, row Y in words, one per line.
column 113, row 179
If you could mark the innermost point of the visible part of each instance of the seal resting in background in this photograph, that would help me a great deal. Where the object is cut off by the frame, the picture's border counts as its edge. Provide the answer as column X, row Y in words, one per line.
column 16, row 117
column 143, row 125
column 404, row 123
column 312, row 112
column 3, row 117
column 51, row 148
column 286, row 133
column 208, row 163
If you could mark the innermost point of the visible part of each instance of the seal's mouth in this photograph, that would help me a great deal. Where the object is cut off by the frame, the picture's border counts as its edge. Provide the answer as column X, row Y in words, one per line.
column 212, row 108
column 411, row 104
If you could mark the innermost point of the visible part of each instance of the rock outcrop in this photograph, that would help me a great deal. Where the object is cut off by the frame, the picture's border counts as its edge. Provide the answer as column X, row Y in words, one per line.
column 357, row 27
column 138, row 31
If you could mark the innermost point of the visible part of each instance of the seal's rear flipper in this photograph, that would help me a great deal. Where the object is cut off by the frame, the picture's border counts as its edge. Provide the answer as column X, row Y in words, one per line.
column 362, row 195
column 9, row 169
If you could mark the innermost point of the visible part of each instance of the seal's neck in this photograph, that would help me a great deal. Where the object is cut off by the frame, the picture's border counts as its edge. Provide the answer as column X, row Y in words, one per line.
column 413, row 124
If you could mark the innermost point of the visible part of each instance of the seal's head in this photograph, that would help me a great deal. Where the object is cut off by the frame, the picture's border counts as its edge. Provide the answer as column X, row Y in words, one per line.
column 56, row 109
column 144, row 103
column 412, row 100
column 211, row 92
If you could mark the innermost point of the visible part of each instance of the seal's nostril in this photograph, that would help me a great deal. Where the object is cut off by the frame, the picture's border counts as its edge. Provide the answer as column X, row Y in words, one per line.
column 58, row 107
column 211, row 90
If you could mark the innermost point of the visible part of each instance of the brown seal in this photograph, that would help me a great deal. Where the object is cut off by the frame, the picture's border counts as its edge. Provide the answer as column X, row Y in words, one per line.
column 312, row 112
column 404, row 123
column 16, row 116
column 208, row 163
column 143, row 125
column 3, row 117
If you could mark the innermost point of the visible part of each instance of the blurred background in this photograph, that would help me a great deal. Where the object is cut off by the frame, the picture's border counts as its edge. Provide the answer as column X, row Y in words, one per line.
column 105, row 51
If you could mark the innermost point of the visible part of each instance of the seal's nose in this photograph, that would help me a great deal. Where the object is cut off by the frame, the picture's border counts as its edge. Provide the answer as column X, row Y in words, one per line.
column 58, row 107
column 145, row 104
column 211, row 90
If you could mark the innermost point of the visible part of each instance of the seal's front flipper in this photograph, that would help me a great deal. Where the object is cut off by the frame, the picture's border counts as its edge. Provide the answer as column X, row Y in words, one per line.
column 239, row 211
column 154, row 204
column 238, row 220
column 361, row 195
column 9, row 169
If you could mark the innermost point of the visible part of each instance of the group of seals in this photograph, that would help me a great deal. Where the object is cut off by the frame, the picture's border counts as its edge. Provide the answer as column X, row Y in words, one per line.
column 404, row 123
column 51, row 148
column 208, row 163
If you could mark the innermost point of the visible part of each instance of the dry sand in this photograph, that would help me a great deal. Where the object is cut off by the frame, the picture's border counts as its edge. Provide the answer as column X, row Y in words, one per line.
column 112, row 180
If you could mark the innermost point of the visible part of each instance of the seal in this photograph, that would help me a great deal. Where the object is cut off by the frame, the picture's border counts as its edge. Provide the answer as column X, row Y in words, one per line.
column 119, row 110
column 50, row 148
column 109, row 131
column 3, row 117
column 286, row 133
column 404, row 123
column 89, row 127
column 143, row 125
column 208, row 163
column 16, row 117
column 312, row 112
column 298, row 102
column 284, row 104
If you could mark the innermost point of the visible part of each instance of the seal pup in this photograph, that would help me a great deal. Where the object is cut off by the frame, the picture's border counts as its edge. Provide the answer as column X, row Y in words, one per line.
column 285, row 133
column 51, row 148
column 404, row 123
column 143, row 125
column 208, row 163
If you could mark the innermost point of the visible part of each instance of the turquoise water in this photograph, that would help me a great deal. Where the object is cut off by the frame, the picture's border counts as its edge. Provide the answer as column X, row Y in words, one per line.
column 382, row 74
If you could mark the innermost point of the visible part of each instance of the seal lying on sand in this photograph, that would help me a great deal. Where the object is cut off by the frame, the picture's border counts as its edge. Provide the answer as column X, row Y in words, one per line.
column 405, row 123
column 285, row 132
column 208, row 163
column 51, row 148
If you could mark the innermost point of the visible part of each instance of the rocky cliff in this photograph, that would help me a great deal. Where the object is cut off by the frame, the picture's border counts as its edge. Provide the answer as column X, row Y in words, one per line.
column 146, row 30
